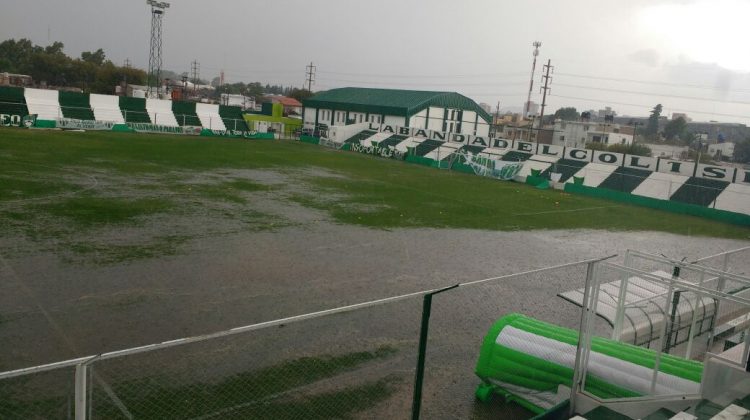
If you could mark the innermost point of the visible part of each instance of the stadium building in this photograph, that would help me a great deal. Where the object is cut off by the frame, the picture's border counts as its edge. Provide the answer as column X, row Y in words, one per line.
column 440, row 111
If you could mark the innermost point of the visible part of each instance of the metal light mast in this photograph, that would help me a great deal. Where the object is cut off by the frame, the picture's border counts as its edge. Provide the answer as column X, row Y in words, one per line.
column 536, row 45
column 154, row 56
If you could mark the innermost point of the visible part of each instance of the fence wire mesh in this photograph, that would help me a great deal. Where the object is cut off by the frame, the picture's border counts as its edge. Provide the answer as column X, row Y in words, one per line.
column 356, row 364
column 462, row 318
column 43, row 395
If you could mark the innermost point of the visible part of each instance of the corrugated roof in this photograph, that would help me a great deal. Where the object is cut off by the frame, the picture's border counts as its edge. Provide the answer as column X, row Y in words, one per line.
column 391, row 101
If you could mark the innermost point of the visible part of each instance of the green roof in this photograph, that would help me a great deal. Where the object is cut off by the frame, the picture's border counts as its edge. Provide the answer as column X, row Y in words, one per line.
column 391, row 101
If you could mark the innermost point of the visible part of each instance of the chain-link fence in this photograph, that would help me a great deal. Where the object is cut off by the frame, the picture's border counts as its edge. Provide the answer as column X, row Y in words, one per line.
column 352, row 362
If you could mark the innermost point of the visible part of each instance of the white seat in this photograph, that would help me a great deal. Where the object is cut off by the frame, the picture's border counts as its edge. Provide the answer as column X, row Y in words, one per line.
column 44, row 103
column 106, row 108
column 209, row 116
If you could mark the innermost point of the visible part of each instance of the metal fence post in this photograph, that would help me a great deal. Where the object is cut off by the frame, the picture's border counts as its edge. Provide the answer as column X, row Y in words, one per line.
column 80, row 391
column 419, row 375
column 579, row 368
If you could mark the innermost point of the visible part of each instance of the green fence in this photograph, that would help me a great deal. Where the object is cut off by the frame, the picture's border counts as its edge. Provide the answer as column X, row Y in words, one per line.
column 667, row 205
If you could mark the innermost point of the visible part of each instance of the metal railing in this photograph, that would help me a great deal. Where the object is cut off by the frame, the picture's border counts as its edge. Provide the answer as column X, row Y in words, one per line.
column 675, row 294
column 324, row 364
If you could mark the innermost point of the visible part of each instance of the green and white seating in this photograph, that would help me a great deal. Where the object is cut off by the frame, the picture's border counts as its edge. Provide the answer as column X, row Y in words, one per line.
column 106, row 108
column 209, row 116
column 160, row 112
column 44, row 103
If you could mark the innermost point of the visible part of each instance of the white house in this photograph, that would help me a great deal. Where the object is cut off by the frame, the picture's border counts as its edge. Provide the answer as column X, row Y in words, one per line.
column 579, row 133
column 440, row 111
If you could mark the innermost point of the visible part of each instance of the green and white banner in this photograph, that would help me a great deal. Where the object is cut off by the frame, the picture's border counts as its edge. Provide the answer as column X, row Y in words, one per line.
column 74, row 124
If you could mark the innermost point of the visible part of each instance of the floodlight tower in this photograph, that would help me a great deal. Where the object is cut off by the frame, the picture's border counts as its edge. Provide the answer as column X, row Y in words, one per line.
column 154, row 57
column 536, row 46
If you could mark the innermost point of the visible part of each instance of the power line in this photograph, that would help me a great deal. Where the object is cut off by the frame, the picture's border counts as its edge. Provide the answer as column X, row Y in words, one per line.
column 665, row 95
column 650, row 106
column 433, row 76
column 648, row 82
column 420, row 84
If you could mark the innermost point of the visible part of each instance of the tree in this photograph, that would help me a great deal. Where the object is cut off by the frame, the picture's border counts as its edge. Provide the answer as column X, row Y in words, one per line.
column 97, row 57
column 676, row 128
column 300, row 94
column 567, row 114
column 652, row 126
column 742, row 151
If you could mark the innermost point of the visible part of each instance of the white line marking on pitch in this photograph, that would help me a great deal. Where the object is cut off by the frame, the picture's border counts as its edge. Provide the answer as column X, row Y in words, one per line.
column 565, row 211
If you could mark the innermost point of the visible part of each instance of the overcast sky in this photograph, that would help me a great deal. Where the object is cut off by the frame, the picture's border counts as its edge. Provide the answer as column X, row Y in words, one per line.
column 691, row 56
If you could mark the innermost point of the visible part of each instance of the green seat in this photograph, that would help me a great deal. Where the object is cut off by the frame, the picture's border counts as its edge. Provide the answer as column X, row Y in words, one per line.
column 134, row 110
column 76, row 105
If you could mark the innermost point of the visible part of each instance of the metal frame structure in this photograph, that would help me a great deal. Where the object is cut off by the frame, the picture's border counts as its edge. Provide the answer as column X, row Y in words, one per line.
column 154, row 57
column 580, row 397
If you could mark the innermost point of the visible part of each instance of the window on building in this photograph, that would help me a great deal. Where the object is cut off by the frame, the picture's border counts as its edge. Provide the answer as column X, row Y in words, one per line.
column 623, row 141
column 585, row 128
column 360, row 117
column 616, row 130
column 562, row 138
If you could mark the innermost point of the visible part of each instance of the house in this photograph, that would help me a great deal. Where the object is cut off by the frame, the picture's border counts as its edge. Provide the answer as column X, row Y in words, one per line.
column 292, row 107
column 439, row 111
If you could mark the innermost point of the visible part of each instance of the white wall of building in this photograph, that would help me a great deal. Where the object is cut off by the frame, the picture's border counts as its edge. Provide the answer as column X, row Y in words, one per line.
column 395, row 120
column 578, row 133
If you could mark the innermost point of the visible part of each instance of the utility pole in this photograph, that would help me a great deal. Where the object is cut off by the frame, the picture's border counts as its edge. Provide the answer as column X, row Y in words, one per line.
column 536, row 46
column 547, row 80
column 497, row 116
column 310, row 76
column 195, row 69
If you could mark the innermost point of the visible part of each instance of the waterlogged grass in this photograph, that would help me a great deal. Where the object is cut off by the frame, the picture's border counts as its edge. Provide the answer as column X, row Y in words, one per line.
column 113, row 253
column 88, row 211
column 370, row 191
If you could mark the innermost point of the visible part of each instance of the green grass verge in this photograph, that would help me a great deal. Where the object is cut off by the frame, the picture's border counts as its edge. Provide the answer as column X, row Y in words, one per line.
column 370, row 191
column 87, row 211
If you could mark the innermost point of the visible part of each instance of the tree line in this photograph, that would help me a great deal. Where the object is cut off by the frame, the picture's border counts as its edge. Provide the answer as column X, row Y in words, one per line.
column 91, row 72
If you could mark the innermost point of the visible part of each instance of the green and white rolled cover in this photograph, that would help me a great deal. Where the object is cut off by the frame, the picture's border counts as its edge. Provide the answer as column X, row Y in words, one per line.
column 538, row 356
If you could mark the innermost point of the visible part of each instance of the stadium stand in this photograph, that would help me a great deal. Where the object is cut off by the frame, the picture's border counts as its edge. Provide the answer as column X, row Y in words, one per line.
column 426, row 147
column 492, row 153
column 184, row 112
column 393, row 140
column 44, row 103
column 160, row 112
column 566, row 167
column 625, row 179
column 13, row 101
column 659, row 185
column 209, row 116
column 514, row 156
column 444, row 151
column 700, row 191
column 357, row 138
column 532, row 164
column 375, row 138
column 134, row 110
column 76, row 105
column 404, row 143
column 735, row 197
column 594, row 174
column 106, row 108
column 232, row 117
